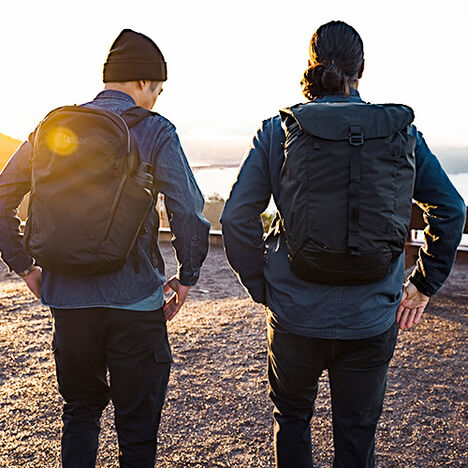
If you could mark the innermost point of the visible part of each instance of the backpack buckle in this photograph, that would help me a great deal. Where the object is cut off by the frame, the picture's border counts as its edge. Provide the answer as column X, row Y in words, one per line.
column 356, row 137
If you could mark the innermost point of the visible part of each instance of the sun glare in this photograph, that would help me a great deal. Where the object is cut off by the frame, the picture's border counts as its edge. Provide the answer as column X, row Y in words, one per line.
column 62, row 141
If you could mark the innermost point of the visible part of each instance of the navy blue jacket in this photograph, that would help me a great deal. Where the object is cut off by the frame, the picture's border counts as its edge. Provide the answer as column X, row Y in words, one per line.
column 159, row 145
column 324, row 311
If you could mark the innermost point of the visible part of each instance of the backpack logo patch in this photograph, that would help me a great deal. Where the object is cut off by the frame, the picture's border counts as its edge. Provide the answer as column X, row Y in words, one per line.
column 64, row 141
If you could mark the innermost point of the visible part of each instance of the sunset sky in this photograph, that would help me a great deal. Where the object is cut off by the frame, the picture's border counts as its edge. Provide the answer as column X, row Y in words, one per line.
column 232, row 64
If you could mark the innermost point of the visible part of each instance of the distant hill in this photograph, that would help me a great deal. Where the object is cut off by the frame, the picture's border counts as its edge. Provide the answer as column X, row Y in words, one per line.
column 453, row 159
column 8, row 146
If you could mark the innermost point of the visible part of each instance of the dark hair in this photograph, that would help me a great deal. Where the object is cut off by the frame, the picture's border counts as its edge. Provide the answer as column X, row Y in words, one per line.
column 337, row 58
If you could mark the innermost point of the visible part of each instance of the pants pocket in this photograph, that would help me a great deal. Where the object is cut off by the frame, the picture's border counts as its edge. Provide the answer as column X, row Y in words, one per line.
column 162, row 355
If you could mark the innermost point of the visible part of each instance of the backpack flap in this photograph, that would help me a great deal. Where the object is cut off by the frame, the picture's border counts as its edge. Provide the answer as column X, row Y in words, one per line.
column 332, row 121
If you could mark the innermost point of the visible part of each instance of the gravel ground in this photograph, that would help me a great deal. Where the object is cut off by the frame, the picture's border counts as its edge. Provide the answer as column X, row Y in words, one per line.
column 217, row 412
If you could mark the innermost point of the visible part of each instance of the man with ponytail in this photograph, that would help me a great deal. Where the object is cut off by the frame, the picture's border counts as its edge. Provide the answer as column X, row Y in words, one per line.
column 343, row 174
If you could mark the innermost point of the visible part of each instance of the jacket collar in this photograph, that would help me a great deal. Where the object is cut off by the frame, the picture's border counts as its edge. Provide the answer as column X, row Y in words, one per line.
column 114, row 94
column 354, row 96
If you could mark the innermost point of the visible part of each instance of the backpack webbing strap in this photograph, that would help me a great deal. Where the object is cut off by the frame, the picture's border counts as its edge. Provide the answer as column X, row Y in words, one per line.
column 132, row 116
column 356, row 140
column 135, row 114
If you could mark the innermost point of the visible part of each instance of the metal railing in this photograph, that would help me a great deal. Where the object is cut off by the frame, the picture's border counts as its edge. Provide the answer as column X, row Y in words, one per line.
column 411, row 249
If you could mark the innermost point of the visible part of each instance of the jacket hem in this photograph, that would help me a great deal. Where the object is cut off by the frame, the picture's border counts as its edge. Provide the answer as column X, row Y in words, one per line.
column 333, row 333
column 113, row 305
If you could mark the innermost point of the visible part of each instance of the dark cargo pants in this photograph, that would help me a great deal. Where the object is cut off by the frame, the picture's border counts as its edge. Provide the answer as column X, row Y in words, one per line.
column 134, row 348
column 357, row 372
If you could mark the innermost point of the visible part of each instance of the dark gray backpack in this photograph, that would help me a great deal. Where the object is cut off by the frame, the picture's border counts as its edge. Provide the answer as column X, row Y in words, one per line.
column 89, row 191
column 346, row 189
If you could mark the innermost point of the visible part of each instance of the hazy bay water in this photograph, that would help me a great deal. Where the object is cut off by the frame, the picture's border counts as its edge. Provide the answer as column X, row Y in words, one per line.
column 219, row 180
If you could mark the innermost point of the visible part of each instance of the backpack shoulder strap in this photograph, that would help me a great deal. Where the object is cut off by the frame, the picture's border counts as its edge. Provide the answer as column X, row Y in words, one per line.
column 136, row 114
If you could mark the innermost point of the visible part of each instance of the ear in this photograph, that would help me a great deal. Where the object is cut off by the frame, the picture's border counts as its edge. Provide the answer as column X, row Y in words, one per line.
column 361, row 71
column 141, row 84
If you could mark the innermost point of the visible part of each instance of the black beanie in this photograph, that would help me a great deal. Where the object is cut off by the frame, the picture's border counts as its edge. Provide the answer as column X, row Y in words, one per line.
column 133, row 57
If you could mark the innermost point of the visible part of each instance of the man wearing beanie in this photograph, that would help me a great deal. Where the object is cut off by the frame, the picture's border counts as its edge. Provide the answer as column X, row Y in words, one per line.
column 134, row 57
column 116, row 322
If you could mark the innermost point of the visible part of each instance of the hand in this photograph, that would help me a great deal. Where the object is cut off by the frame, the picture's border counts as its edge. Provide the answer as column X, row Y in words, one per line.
column 412, row 305
column 34, row 280
column 174, row 304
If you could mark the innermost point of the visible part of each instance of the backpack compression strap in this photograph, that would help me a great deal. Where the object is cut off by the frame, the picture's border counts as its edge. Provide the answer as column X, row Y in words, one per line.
column 132, row 116
column 356, row 140
column 136, row 114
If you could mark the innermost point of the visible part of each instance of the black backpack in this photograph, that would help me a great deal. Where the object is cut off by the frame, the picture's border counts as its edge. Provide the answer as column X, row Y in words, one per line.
column 346, row 189
column 90, row 193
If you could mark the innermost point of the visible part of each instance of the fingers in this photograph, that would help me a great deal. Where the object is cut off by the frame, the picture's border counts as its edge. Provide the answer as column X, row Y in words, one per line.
column 170, row 314
column 409, row 317
column 34, row 285
column 183, row 292
column 403, row 316
column 175, row 303
column 171, row 308
column 181, row 297
column 169, row 302
column 37, row 293
column 418, row 315
column 415, row 316
column 399, row 312
column 173, row 284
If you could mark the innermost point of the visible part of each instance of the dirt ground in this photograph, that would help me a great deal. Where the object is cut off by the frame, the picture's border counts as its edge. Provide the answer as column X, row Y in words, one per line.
column 217, row 412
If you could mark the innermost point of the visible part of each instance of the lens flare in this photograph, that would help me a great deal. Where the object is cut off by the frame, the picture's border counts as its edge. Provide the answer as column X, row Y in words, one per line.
column 62, row 141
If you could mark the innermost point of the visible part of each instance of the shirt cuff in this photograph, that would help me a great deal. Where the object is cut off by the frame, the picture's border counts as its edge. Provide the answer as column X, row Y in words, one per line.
column 258, row 292
column 421, row 283
column 188, row 278
column 20, row 264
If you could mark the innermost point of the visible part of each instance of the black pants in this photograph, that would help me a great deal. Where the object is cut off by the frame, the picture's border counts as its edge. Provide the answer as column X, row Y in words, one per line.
column 358, row 374
column 134, row 347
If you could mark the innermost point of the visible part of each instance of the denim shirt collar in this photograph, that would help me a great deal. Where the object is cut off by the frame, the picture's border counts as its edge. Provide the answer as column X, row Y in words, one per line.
column 114, row 94
column 353, row 97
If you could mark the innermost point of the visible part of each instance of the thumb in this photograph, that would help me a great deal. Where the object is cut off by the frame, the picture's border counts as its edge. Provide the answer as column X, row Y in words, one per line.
column 404, row 294
column 174, row 284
